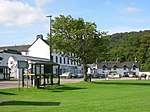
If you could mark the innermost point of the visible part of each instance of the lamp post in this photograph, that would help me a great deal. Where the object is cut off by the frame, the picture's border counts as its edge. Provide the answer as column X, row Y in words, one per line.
column 50, row 36
column 50, row 45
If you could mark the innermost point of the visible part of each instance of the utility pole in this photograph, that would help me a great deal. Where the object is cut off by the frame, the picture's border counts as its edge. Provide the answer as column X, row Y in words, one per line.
column 50, row 45
column 50, row 36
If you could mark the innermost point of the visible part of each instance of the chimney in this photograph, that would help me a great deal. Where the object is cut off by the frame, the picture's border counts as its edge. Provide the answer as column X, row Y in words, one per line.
column 118, row 60
column 39, row 36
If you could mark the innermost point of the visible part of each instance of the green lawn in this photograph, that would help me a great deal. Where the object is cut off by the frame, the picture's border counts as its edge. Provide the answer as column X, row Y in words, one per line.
column 98, row 96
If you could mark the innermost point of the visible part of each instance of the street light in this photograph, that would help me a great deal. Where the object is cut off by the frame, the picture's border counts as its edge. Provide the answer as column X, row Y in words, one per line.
column 50, row 45
column 50, row 35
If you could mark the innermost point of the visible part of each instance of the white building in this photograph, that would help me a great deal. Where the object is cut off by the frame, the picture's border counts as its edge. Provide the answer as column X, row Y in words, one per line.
column 8, row 63
column 115, row 67
column 40, row 50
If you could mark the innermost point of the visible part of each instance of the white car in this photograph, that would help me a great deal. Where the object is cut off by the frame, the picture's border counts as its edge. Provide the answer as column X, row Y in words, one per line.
column 65, row 75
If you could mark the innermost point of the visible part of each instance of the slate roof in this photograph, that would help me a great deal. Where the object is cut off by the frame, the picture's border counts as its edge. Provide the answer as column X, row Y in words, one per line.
column 21, row 48
column 111, row 64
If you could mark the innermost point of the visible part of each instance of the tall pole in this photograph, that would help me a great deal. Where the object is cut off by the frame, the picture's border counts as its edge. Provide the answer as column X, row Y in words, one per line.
column 50, row 36
column 50, row 45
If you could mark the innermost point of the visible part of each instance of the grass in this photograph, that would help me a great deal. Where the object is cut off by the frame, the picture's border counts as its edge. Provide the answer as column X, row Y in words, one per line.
column 98, row 96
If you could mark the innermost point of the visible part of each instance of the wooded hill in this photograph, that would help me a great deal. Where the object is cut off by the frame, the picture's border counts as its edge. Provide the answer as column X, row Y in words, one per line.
column 130, row 46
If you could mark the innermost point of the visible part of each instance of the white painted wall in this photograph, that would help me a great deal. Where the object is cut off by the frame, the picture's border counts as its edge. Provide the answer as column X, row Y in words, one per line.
column 39, row 49
column 119, row 70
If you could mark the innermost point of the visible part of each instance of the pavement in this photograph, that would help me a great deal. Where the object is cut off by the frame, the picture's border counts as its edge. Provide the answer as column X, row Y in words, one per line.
column 15, row 83
column 8, row 84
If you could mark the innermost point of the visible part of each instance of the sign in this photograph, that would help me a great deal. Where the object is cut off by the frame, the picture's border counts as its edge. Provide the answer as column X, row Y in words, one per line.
column 22, row 64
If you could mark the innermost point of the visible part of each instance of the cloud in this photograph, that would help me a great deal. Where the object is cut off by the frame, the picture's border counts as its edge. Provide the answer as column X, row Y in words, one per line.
column 41, row 3
column 7, row 32
column 132, row 10
column 18, row 13
column 122, row 29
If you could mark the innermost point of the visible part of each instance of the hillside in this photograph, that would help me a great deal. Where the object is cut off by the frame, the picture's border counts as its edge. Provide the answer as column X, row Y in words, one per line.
column 131, row 46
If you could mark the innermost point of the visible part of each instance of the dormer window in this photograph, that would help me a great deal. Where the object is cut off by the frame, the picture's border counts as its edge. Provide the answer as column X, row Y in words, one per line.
column 104, row 67
column 134, row 67
column 124, row 67
column 115, row 67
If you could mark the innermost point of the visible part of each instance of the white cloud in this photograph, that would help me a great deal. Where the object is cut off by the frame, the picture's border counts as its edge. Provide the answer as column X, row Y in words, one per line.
column 41, row 3
column 18, row 13
column 132, row 10
column 7, row 32
column 119, row 29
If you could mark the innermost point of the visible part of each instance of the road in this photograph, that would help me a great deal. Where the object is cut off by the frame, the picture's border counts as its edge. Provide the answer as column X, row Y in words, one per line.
column 15, row 84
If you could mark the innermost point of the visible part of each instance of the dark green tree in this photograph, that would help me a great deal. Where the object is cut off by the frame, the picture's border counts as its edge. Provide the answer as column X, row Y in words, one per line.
column 130, row 46
column 80, row 38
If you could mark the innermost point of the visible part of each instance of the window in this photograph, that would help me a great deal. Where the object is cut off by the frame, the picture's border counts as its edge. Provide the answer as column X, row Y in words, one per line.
column 60, row 60
column 71, row 61
column 52, row 58
column 1, row 58
column 64, row 60
column 1, row 70
column 56, row 59
column 134, row 73
column 125, row 67
column 115, row 67
column 134, row 68
column 68, row 60
column 104, row 67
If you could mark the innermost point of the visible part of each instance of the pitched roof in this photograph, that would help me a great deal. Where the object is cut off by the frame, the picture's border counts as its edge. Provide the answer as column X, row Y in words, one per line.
column 21, row 48
column 10, row 51
column 111, row 64
column 40, row 37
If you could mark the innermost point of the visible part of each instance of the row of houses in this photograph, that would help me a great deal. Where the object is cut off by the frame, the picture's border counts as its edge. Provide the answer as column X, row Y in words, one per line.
column 115, row 67
column 39, row 51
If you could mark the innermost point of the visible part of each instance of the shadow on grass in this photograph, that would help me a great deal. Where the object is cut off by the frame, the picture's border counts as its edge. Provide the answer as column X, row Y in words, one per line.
column 62, row 88
column 123, row 83
column 29, row 103
column 5, row 93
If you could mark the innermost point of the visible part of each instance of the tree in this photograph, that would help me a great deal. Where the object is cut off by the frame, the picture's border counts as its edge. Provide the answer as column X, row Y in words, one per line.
column 131, row 46
column 78, row 37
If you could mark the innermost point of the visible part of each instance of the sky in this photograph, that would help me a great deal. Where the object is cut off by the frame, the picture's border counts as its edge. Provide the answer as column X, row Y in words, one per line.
column 22, row 20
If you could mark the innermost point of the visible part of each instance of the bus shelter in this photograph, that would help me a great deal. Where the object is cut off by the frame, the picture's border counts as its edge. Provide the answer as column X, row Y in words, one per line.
column 41, row 73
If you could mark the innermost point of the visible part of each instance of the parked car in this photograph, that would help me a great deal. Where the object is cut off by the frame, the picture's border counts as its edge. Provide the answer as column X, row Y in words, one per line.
column 113, row 75
column 80, row 75
column 95, row 75
column 65, row 75
column 74, row 75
